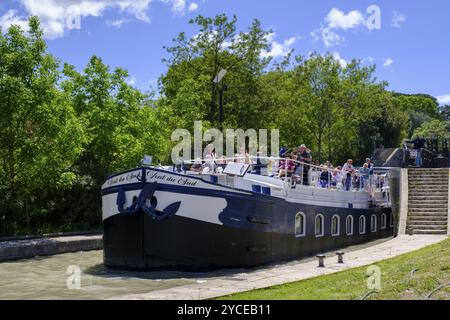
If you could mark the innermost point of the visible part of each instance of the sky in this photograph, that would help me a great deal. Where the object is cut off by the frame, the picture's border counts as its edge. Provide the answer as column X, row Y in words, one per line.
column 407, row 40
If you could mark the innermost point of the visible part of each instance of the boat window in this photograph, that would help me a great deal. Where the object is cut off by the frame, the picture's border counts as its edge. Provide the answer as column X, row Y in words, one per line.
column 335, row 221
column 362, row 225
column 383, row 221
column 349, row 225
column 373, row 223
column 319, row 226
column 300, row 225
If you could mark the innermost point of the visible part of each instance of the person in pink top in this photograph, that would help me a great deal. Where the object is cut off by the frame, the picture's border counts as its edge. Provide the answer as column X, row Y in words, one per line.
column 287, row 166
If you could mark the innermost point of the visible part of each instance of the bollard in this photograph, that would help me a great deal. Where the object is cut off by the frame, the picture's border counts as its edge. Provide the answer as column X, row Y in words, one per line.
column 321, row 257
column 340, row 255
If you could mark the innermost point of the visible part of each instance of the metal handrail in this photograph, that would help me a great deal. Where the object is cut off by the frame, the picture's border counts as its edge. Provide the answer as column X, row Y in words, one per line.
column 363, row 184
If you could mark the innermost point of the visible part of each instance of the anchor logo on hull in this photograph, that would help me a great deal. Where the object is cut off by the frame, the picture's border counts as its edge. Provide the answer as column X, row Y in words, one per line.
column 140, row 204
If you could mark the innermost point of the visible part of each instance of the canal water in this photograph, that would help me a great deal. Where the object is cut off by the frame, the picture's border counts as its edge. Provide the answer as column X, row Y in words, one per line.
column 82, row 275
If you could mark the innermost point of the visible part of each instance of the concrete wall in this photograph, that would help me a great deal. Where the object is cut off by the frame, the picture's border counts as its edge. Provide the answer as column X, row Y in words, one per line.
column 404, row 195
column 23, row 249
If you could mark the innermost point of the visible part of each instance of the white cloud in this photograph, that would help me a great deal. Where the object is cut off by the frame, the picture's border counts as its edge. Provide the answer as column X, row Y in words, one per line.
column 11, row 18
column 117, row 23
column 131, row 81
column 328, row 37
column 277, row 49
column 337, row 19
column 193, row 7
column 444, row 99
column 388, row 62
column 57, row 16
column 398, row 19
column 338, row 58
column 178, row 6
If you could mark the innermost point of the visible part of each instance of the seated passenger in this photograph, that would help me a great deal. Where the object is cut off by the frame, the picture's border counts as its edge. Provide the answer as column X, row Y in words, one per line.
column 197, row 166
column 325, row 177
column 287, row 166
column 221, row 164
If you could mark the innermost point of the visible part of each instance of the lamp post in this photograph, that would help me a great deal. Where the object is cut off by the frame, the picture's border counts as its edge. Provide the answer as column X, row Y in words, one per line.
column 223, row 87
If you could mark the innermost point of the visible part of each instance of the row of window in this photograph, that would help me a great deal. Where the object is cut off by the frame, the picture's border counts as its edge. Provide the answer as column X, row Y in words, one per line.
column 300, row 225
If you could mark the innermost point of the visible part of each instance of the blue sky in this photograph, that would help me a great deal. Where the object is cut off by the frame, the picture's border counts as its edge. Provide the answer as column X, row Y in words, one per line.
column 410, row 48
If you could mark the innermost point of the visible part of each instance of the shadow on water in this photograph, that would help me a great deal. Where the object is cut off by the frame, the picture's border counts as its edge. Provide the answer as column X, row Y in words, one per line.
column 100, row 270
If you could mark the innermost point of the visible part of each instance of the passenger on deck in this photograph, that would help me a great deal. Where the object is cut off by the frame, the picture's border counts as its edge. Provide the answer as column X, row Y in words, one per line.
column 221, row 164
column 364, row 173
column 329, row 165
column 305, row 156
column 325, row 177
column 210, row 159
column 197, row 166
column 347, row 171
column 370, row 165
column 287, row 166
column 356, row 180
column 243, row 156
column 336, row 178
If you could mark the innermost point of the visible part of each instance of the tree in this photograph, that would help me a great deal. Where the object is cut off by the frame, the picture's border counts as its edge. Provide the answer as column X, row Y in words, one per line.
column 40, row 135
column 434, row 129
column 195, row 62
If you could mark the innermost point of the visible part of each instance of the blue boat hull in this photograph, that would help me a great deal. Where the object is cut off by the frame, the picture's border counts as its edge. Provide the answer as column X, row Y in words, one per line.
column 253, row 233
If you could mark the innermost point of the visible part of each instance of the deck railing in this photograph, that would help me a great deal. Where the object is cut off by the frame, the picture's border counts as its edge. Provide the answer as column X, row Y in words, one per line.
column 299, row 173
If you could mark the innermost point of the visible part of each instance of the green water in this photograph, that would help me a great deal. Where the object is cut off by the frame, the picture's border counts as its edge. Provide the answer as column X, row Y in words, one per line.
column 53, row 277
column 56, row 277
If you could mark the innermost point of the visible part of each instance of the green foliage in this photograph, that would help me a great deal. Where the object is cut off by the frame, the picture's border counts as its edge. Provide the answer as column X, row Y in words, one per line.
column 63, row 132
column 40, row 135
column 434, row 129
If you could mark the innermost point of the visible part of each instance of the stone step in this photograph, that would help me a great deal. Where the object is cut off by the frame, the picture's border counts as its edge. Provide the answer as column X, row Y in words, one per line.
column 422, row 193
column 414, row 222
column 430, row 232
column 431, row 197
column 428, row 177
column 428, row 170
column 425, row 227
column 420, row 215
column 428, row 209
column 427, row 213
column 427, row 174
column 427, row 217
column 428, row 192
column 427, row 204
column 428, row 186
column 422, row 183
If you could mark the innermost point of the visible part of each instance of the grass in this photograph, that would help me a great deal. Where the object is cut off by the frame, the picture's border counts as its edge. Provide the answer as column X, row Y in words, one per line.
column 408, row 277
